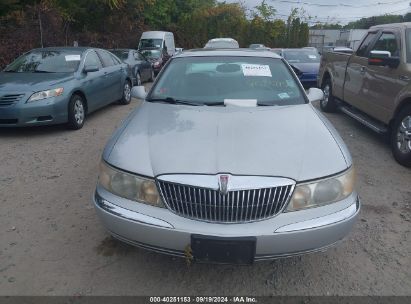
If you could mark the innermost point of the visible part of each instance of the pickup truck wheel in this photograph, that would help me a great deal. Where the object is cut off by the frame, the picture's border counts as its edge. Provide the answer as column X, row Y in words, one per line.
column 401, row 137
column 328, row 103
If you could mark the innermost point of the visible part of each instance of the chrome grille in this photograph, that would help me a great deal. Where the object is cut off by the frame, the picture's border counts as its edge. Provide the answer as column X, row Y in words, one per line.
column 7, row 100
column 235, row 206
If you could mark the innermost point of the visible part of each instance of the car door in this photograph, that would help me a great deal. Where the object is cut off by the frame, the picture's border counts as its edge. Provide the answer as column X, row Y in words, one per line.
column 93, row 83
column 113, row 72
column 145, row 65
column 356, row 74
column 383, row 83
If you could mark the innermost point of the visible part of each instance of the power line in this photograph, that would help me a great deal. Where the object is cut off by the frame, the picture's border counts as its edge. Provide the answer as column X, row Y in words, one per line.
column 339, row 4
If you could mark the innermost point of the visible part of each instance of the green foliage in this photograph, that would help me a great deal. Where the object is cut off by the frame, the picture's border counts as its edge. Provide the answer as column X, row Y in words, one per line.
column 194, row 22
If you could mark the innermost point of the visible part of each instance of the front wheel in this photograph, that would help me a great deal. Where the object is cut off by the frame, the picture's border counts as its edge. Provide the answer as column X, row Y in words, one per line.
column 126, row 93
column 401, row 137
column 76, row 112
column 328, row 103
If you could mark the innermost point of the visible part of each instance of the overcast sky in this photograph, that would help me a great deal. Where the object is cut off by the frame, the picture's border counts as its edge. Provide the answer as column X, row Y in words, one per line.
column 336, row 11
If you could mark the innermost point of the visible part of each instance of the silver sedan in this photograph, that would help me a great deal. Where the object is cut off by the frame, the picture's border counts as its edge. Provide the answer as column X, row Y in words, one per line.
column 227, row 161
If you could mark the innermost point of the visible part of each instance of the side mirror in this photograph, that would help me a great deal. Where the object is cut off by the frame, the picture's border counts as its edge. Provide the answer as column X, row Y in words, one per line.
column 315, row 94
column 139, row 92
column 90, row 68
column 383, row 58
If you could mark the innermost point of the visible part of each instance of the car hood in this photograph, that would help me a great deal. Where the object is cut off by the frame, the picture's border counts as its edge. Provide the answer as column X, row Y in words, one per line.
column 311, row 68
column 31, row 82
column 287, row 141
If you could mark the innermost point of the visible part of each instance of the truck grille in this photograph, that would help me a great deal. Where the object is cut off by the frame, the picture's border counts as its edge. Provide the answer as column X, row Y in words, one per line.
column 7, row 100
column 235, row 206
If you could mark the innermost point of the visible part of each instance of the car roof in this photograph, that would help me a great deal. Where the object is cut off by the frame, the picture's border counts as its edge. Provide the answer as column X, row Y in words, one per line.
column 228, row 53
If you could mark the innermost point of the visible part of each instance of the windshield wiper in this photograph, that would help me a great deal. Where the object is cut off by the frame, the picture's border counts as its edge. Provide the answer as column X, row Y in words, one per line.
column 10, row 71
column 172, row 100
column 40, row 71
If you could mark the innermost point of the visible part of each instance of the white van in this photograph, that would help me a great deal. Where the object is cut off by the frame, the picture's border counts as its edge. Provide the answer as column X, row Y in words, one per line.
column 158, row 39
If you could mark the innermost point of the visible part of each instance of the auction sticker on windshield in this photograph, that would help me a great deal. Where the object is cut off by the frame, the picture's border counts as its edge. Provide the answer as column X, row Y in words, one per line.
column 256, row 70
column 72, row 57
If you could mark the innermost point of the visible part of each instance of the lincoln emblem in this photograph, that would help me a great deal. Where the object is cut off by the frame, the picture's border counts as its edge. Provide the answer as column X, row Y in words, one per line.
column 223, row 182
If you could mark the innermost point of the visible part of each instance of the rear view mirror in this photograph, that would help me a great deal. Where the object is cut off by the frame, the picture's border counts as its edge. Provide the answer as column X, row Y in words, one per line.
column 315, row 94
column 139, row 92
column 383, row 58
column 90, row 68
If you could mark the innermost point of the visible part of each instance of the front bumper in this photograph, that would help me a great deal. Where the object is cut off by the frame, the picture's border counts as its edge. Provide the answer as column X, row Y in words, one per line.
column 42, row 112
column 287, row 234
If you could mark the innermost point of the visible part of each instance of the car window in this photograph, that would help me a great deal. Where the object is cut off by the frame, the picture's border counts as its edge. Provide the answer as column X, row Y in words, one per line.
column 106, row 58
column 363, row 49
column 92, row 59
column 155, row 54
column 205, row 80
column 47, row 61
column 115, row 59
column 301, row 56
column 387, row 42
column 140, row 56
column 122, row 54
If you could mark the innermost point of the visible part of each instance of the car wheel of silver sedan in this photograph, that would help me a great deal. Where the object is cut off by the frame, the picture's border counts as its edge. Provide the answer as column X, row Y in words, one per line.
column 76, row 112
column 126, row 93
column 401, row 137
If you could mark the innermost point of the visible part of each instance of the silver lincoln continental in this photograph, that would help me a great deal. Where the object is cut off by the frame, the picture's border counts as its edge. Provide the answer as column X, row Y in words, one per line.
column 227, row 161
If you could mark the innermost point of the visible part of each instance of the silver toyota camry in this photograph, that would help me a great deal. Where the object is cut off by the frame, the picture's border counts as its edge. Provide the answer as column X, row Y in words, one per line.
column 227, row 161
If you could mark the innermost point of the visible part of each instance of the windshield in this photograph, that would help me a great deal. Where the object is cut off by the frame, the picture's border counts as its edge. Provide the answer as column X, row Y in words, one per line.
column 301, row 56
column 50, row 61
column 150, row 43
column 222, row 80
column 222, row 44
column 151, row 53
column 122, row 54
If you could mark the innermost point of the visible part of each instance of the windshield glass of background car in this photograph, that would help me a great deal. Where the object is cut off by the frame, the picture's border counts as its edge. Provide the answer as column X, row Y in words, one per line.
column 216, row 79
column 222, row 44
column 151, row 53
column 123, row 55
column 150, row 43
column 47, row 62
column 301, row 56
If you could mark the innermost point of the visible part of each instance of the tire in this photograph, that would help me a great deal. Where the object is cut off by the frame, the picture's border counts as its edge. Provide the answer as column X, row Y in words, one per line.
column 328, row 103
column 401, row 137
column 76, row 112
column 153, row 76
column 126, row 99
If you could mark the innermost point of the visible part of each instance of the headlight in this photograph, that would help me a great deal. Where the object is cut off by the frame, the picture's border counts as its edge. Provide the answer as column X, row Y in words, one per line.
column 323, row 192
column 46, row 94
column 157, row 64
column 129, row 186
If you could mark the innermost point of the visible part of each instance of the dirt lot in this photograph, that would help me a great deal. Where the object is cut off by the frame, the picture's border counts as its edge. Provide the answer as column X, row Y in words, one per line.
column 52, row 242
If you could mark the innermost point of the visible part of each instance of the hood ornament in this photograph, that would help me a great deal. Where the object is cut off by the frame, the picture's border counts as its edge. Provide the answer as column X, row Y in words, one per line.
column 223, row 184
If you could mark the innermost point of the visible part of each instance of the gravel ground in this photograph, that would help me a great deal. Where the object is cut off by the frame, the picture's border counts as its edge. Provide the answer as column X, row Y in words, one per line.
column 52, row 242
